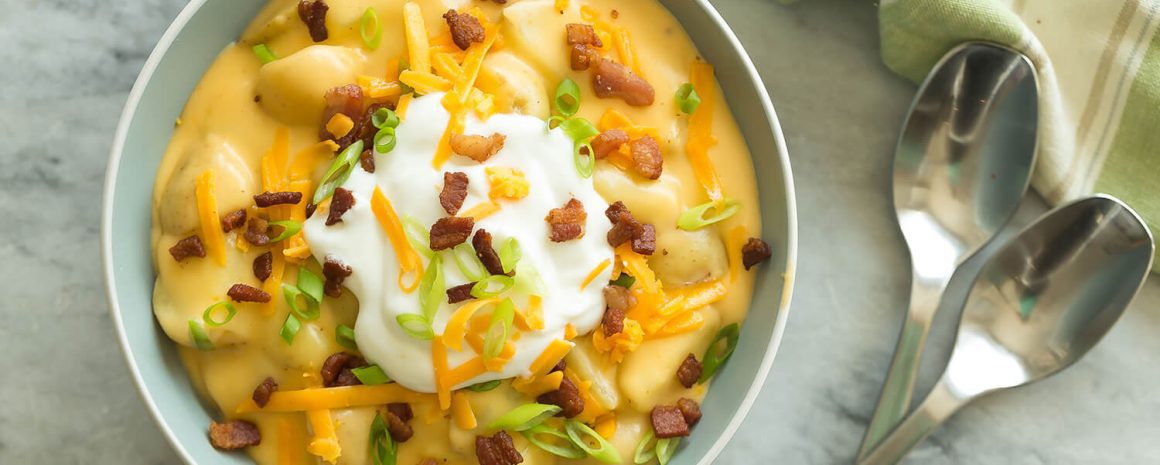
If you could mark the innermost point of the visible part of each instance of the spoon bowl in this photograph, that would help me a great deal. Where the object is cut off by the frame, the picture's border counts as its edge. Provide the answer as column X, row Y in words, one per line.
column 1038, row 305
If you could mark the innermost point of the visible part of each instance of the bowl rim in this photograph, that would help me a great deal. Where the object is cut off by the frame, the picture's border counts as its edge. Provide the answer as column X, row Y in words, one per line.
column 162, row 48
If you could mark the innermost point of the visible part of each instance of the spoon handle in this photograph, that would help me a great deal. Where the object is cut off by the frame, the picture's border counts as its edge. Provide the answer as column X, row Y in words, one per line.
column 938, row 406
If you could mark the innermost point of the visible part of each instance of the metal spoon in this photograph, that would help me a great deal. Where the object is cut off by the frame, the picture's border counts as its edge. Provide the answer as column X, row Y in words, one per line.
column 961, row 169
column 1038, row 305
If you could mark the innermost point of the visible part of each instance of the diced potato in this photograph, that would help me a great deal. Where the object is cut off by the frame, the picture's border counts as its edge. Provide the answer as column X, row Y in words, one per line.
column 656, row 202
column 516, row 86
column 234, row 185
column 292, row 88
column 351, row 426
column 688, row 257
column 648, row 376
column 590, row 365
column 537, row 31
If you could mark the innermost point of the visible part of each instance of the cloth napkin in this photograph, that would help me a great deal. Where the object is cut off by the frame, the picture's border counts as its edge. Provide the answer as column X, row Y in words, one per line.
column 1099, row 75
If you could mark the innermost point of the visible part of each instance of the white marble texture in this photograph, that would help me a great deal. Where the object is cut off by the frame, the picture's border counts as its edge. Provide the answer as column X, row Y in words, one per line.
column 65, row 396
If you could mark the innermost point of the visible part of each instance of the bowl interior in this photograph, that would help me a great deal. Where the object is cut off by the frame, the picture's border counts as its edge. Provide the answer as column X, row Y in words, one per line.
column 169, row 77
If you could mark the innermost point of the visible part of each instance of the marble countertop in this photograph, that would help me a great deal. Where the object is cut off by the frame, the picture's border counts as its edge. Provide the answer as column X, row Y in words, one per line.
column 67, row 397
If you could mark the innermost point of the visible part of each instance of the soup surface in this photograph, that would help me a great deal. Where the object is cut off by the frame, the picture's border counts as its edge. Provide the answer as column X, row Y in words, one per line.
column 456, row 231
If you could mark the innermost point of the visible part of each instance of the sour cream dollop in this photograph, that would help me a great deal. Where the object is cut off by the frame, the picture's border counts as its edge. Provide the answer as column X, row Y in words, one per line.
column 408, row 179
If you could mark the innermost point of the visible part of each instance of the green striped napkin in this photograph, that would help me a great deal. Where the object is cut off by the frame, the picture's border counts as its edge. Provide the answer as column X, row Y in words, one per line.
column 1099, row 75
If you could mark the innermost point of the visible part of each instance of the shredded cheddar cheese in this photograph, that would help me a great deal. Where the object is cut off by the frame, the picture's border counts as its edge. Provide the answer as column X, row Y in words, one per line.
column 569, row 331
column 533, row 387
column 734, row 241
column 377, row 88
column 409, row 261
column 418, row 47
column 289, row 442
column 593, row 409
column 479, row 211
column 461, row 410
column 423, row 82
column 625, row 50
column 325, row 441
column 207, row 213
column 457, row 326
column 551, row 355
column 339, row 125
column 457, row 100
column 594, row 273
column 404, row 103
column 619, row 344
column 507, row 183
column 606, row 425
column 464, row 372
column 439, row 361
column 446, row 66
column 701, row 132
column 335, row 398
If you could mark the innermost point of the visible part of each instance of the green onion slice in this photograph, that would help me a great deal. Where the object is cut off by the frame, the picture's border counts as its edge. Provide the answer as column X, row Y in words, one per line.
column 555, row 121
column 416, row 326
column 289, row 229
column 310, row 284
column 584, row 158
column 581, row 434
column 338, row 172
column 579, row 129
column 199, row 337
column 290, row 328
column 484, row 387
column 468, row 262
column 567, row 97
column 567, row 449
column 694, row 218
column 492, row 286
column 510, row 254
column 292, row 293
column 344, row 335
column 524, row 417
column 385, row 118
column 370, row 30
column 264, row 54
column 687, row 98
column 625, row 280
column 384, row 451
column 528, row 280
column 432, row 287
column 371, row 375
column 499, row 328
column 208, row 314
column 665, row 449
column 645, row 449
column 418, row 236
column 715, row 355
column 385, row 140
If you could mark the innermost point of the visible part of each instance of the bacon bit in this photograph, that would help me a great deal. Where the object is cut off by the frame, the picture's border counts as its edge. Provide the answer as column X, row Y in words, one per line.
column 342, row 201
column 263, row 266
column 233, row 435
column 464, row 27
column 611, row 79
column 755, row 251
column 626, row 228
column 313, row 13
column 188, row 247
column 401, row 410
column 690, row 410
column 366, row 159
column 646, row 242
column 336, row 370
column 477, row 147
column 646, row 157
column 368, row 131
column 486, row 253
column 310, row 207
column 669, row 422
column 567, row 397
column 617, row 300
column 262, row 393
column 270, row 199
column 258, row 231
column 247, row 293
column 582, row 34
column 234, row 220
column 460, row 293
column 608, row 141
column 454, row 192
column 689, row 371
column 497, row 450
column 450, row 231
column 582, row 56
column 348, row 100
column 567, row 223
column 335, row 272
column 397, row 426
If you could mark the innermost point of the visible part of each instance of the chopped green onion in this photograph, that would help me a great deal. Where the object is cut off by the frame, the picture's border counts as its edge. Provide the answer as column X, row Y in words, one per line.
column 566, row 450
column 265, row 55
column 290, row 328
column 385, row 140
column 310, row 284
column 524, row 417
column 625, row 280
column 385, row 118
column 199, row 337
column 416, row 326
column 432, row 288
column 567, row 97
column 498, row 329
column 579, row 129
column 468, row 262
column 484, row 387
column 338, row 172
column 687, row 98
column 418, row 236
column 528, row 280
column 207, row 315
column 292, row 293
column 510, row 254
column 370, row 30
column 384, row 451
column 644, row 453
column 580, row 434
column 716, row 356
column 371, row 375
column 694, row 218
column 492, row 286
column 555, row 121
column 585, row 159
column 344, row 335
column 289, row 229
column 665, row 449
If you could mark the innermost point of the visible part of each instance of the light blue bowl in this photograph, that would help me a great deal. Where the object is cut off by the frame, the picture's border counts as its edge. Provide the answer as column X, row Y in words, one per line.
column 188, row 48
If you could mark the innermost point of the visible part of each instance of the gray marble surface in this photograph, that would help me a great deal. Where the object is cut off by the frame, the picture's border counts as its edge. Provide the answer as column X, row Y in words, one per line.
column 65, row 396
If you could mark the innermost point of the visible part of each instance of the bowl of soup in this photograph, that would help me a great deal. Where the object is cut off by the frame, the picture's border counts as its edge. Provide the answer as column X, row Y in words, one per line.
column 449, row 231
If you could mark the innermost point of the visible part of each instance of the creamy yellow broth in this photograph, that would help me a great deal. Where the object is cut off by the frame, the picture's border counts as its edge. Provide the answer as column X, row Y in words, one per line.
column 223, row 128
